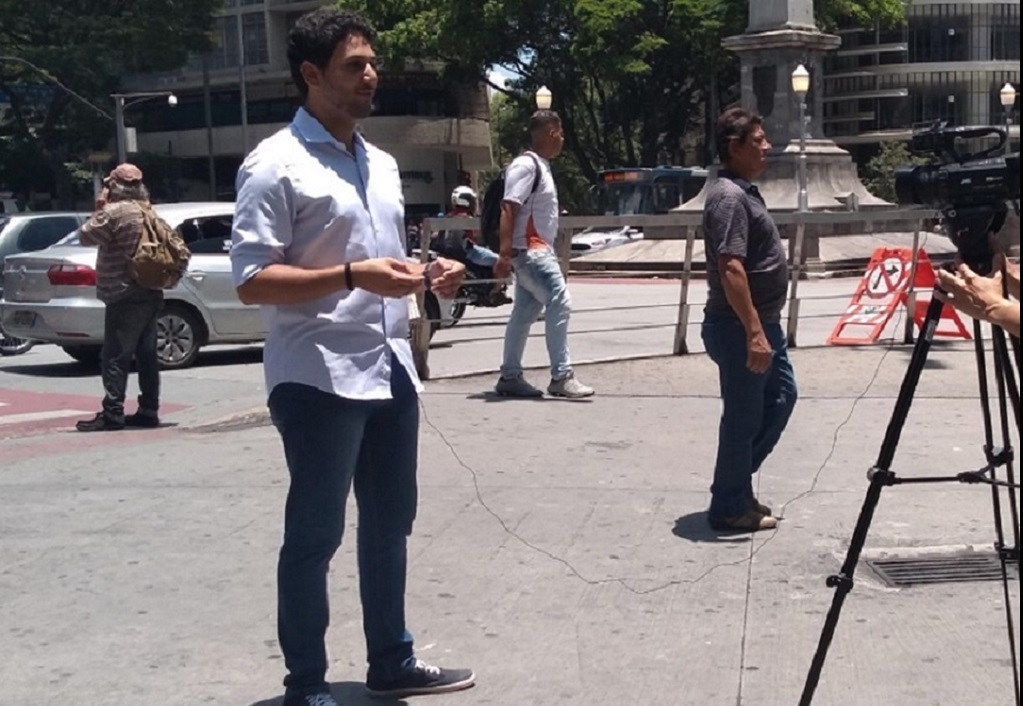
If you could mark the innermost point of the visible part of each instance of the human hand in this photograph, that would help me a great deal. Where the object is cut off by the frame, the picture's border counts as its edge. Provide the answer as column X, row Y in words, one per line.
column 976, row 296
column 387, row 277
column 503, row 267
column 445, row 277
column 1011, row 274
column 759, row 354
column 101, row 200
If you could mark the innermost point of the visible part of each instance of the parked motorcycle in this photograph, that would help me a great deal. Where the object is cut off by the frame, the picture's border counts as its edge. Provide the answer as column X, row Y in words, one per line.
column 479, row 288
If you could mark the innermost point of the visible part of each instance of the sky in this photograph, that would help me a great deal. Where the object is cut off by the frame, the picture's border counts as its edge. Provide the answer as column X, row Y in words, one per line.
column 500, row 75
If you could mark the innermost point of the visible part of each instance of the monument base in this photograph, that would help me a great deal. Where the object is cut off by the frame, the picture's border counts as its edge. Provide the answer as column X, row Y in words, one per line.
column 832, row 180
column 833, row 183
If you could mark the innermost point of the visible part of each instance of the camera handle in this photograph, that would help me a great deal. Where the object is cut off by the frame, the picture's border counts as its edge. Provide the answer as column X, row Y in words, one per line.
column 881, row 476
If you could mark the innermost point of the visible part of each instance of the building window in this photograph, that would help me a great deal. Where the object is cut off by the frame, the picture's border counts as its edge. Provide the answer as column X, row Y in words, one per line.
column 935, row 37
column 937, row 105
column 894, row 113
column 254, row 34
column 225, row 53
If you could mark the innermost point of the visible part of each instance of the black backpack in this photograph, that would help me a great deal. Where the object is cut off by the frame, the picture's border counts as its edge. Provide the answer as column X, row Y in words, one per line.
column 490, row 212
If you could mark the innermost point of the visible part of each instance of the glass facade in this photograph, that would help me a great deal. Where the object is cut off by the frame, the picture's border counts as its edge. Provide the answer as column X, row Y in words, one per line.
column 225, row 51
column 947, row 64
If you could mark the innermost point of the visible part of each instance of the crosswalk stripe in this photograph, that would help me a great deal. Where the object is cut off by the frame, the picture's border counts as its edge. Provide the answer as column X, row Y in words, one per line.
column 11, row 419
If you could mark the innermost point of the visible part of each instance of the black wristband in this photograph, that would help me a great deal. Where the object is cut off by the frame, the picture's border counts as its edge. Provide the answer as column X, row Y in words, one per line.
column 348, row 277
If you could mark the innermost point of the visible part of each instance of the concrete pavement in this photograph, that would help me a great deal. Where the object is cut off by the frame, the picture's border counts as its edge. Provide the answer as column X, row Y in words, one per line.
column 561, row 550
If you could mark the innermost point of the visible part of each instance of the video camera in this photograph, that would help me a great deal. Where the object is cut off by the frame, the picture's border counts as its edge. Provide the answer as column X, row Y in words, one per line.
column 971, row 190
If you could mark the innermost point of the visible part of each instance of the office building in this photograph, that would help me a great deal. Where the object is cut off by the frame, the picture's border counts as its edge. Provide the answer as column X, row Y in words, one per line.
column 948, row 63
column 437, row 130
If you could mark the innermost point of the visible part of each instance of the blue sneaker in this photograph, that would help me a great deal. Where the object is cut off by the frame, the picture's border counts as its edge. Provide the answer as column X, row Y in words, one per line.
column 422, row 680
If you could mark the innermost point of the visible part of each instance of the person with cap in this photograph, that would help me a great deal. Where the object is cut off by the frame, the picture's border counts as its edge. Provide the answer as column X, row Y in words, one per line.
column 129, row 326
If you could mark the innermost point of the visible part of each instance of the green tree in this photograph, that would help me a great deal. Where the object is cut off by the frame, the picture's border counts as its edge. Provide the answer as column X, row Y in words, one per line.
column 88, row 46
column 888, row 13
column 880, row 170
column 632, row 79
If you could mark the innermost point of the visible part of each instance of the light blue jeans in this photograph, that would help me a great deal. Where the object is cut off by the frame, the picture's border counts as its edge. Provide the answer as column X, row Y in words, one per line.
column 539, row 284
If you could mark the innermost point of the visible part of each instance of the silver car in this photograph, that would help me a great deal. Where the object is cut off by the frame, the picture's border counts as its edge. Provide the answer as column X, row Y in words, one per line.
column 50, row 295
column 27, row 232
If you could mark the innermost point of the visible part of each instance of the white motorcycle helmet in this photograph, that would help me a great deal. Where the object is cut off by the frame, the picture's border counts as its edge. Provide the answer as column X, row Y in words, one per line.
column 464, row 197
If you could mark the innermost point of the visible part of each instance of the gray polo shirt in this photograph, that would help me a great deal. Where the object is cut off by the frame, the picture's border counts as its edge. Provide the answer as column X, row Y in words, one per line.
column 736, row 222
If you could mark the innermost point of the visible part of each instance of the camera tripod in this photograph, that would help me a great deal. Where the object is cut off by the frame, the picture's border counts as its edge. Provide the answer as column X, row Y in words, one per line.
column 881, row 476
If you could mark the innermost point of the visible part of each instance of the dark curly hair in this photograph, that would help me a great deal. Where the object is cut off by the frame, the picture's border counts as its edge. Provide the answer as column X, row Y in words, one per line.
column 317, row 34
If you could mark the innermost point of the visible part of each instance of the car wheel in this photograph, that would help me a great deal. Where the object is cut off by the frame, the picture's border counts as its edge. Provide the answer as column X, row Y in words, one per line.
column 87, row 355
column 179, row 336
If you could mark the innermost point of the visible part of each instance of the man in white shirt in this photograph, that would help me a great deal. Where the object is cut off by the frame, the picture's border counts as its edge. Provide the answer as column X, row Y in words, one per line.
column 529, row 227
column 318, row 241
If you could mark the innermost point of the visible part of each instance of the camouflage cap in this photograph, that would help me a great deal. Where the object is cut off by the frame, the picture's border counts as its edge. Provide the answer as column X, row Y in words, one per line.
column 125, row 173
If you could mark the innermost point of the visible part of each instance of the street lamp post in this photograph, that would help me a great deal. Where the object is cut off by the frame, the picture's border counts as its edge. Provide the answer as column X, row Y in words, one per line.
column 544, row 98
column 1008, row 96
column 801, row 86
column 119, row 108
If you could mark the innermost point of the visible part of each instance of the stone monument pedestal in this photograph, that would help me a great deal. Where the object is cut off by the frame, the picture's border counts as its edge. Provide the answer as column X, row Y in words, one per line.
column 781, row 35
column 768, row 59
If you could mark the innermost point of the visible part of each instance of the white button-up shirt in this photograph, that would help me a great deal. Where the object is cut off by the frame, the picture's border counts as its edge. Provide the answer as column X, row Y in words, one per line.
column 305, row 200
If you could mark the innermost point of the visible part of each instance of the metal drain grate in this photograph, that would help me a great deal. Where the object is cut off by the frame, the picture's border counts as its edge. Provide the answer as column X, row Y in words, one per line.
column 948, row 568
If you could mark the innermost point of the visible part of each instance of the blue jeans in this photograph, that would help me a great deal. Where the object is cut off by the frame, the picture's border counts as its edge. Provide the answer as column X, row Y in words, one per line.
column 756, row 410
column 329, row 443
column 539, row 284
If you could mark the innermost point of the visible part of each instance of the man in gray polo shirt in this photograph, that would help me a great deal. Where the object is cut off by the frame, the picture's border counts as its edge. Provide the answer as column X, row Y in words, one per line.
column 747, row 275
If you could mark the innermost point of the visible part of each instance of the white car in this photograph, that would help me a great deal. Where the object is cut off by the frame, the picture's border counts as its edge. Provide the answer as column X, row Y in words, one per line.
column 50, row 295
column 592, row 241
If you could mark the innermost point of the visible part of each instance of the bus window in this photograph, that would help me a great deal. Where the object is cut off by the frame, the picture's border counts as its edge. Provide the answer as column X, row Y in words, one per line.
column 625, row 199
column 665, row 197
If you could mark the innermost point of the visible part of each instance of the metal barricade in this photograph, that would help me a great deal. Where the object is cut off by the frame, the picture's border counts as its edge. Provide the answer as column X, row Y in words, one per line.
column 802, row 242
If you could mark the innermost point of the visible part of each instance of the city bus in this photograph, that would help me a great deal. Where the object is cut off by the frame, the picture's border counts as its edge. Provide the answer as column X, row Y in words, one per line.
column 639, row 191
column 647, row 190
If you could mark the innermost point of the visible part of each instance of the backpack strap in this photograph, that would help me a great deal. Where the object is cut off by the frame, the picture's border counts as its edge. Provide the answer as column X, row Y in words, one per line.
column 537, row 176
column 536, row 179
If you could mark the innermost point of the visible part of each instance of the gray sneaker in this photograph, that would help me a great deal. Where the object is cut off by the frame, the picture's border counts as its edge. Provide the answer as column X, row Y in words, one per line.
column 516, row 387
column 569, row 388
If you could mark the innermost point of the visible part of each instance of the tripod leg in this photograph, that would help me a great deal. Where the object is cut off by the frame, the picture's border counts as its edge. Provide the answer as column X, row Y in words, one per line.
column 880, row 476
column 1006, row 389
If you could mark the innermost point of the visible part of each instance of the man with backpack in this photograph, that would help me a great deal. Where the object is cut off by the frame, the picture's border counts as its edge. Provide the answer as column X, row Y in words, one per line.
column 129, row 331
column 528, row 228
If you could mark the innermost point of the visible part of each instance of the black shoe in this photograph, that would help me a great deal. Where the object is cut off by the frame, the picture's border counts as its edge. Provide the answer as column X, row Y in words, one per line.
column 142, row 420
column 421, row 680
column 752, row 521
column 99, row 423
column 317, row 699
